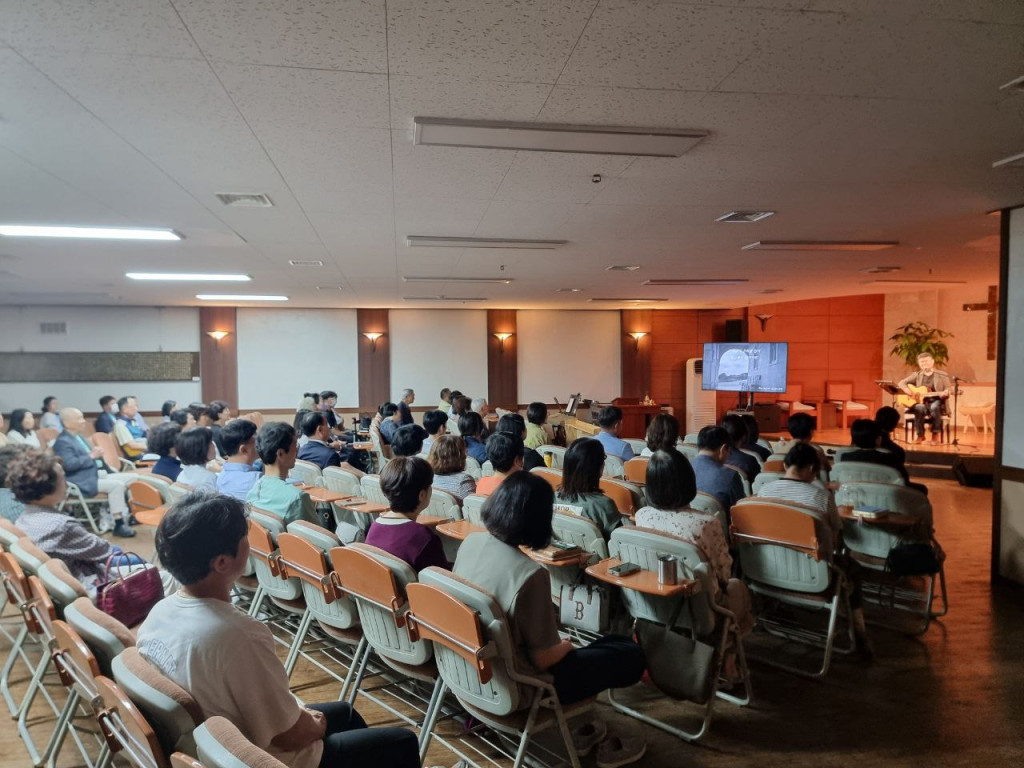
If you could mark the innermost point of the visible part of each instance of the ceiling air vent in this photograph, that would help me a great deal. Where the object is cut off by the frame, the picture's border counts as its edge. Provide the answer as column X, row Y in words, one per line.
column 622, row 268
column 53, row 329
column 305, row 262
column 244, row 200
column 744, row 217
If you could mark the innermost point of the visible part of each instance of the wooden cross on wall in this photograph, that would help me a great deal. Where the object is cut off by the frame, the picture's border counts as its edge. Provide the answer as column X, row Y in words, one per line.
column 991, row 306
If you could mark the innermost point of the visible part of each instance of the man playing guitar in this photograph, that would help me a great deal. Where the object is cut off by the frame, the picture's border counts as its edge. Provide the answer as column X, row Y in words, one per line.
column 927, row 391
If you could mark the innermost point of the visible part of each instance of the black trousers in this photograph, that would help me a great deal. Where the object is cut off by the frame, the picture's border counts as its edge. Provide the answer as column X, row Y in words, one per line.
column 351, row 744
column 612, row 661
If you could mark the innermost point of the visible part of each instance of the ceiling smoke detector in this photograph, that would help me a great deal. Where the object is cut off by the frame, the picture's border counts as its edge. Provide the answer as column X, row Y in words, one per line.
column 744, row 217
column 305, row 263
column 243, row 200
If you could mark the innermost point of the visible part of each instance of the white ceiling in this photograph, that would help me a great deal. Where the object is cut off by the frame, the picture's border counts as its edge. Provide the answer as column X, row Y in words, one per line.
column 851, row 118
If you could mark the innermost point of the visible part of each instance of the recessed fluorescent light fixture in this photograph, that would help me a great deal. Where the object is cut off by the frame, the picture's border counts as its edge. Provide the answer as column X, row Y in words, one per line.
column 187, row 276
column 305, row 263
column 444, row 298
column 237, row 297
column 89, row 233
column 626, row 300
column 547, row 137
column 915, row 282
column 622, row 268
column 428, row 241
column 569, row 290
column 744, row 217
column 697, row 281
column 1013, row 161
column 504, row 280
column 821, row 245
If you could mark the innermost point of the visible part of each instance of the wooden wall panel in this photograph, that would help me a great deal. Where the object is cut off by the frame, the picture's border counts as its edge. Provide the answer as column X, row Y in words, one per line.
column 374, row 359
column 502, row 360
column 218, row 360
column 636, row 356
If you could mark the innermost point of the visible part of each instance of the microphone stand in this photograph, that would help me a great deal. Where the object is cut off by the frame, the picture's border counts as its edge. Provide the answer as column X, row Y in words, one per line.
column 956, row 403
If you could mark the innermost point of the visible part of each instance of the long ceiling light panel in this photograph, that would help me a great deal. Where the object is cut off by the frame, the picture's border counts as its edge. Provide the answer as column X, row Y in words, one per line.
column 88, row 233
column 237, row 297
column 547, row 137
column 696, row 281
column 496, row 280
column 444, row 298
column 188, row 277
column 821, row 245
column 427, row 241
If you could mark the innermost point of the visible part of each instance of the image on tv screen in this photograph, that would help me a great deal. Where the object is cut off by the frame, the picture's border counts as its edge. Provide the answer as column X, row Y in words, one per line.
column 745, row 366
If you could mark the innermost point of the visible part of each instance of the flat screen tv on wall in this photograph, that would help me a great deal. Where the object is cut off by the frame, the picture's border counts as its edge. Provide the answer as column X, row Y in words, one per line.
column 745, row 366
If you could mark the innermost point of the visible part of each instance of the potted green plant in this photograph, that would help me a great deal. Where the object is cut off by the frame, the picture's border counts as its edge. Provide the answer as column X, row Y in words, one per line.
column 914, row 338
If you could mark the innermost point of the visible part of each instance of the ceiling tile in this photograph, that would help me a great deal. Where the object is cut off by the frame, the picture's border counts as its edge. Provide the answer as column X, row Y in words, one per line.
column 558, row 177
column 439, row 216
column 447, row 171
column 465, row 98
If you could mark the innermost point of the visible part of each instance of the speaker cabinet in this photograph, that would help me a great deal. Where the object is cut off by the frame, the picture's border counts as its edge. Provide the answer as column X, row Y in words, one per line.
column 973, row 472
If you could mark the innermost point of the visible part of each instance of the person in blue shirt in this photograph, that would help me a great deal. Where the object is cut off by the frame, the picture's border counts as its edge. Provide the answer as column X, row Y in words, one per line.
column 238, row 475
column 391, row 420
column 471, row 427
column 161, row 442
column 737, row 430
column 51, row 416
column 610, row 421
column 105, row 421
column 713, row 476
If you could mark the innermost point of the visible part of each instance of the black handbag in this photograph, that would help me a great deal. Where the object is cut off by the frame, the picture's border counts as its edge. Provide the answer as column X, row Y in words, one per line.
column 914, row 558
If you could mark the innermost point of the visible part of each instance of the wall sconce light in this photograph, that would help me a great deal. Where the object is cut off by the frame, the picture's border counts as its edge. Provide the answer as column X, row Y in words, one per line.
column 217, row 335
column 637, row 335
column 501, row 337
column 373, row 336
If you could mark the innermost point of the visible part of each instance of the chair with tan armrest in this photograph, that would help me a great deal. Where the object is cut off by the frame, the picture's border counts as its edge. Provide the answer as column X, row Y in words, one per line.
column 709, row 505
column 77, row 668
column 628, row 498
column 303, row 554
column 79, row 503
column 110, row 455
column 552, row 476
column 146, row 503
column 703, row 618
column 744, row 480
column 106, row 636
column 556, row 452
column 841, row 394
column 39, row 614
column 221, row 745
column 636, row 469
column 127, row 733
column 477, row 661
column 16, row 592
column 29, row 556
column 791, row 401
column 785, row 560
column 181, row 760
column 46, row 437
column 167, row 707
column 9, row 533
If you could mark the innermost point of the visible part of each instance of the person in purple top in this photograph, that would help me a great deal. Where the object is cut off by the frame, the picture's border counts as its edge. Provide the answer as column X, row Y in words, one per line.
column 406, row 481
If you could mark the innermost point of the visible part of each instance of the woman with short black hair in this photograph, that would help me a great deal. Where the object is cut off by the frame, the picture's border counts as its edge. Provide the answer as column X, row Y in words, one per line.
column 21, row 429
column 194, row 448
column 473, row 431
column 161, row 441
column 581, row 485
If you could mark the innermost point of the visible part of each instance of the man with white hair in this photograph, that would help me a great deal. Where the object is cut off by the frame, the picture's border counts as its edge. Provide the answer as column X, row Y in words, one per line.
column 84, row 466
column 407, row 398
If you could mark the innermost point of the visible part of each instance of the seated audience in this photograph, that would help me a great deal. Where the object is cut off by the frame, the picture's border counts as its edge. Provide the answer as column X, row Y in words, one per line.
column 106, row 421
column 194, row 449
column 448, row 461
column 536, row 418
column 183, row 418
column 51, row 416
column 278, row 448
column 610, row 421
column 671, row 486
column 201, row 413
column 219, row 412
column 733, row 424
column 662, row 434
column 309, row 401
column 238, row 474
column 478, row 405
column 21, row 429
column 128, row 434
column 37, row 480
column 166, row 409
column 519, row 514
column 801, row 485
column 867, row 437
column 161, row 442
column 84, row 466
column 801, row 428
column 455, row 396
column 408, row 440
column 10, row 507
column 316, row 450
column 300, row 416
column 515, row 424
column 226, row 659
column 436, row 424
column 709, row 467
column 391, row 419
column 753, row 433
column 407, row 398
column 446, row 400
column 406, row 482
column 505, row 452
column 139, row 419
column 581, row 485
column 888, row 419
column 472, row 429
column 329, row 399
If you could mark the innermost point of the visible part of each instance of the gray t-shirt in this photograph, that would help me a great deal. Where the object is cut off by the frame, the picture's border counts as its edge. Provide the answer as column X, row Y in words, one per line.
column 520, row 586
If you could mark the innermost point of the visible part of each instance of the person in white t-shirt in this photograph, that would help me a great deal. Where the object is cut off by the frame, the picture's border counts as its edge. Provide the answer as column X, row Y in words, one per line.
column 226, row 659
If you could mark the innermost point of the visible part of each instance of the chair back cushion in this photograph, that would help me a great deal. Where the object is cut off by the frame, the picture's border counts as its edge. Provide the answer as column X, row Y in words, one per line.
column 222, row 745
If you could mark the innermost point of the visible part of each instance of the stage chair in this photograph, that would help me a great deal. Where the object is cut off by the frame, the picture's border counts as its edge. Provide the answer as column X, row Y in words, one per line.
column 841, row 394
column 908, row 427
column 783, row 560
column 699, row 616
column 864, row 471
column 222, row 745
column 476, row 659
column 792, row 401
column 167, row 707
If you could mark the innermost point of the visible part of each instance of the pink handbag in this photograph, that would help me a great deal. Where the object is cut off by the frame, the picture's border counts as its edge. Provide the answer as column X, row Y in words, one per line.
column 129, row 597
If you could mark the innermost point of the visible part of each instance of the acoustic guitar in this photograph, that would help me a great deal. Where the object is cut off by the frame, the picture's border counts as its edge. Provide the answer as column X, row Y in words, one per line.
column 918, row 395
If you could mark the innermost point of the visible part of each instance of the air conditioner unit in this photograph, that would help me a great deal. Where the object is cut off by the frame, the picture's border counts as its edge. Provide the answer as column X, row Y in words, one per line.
column 701, row 404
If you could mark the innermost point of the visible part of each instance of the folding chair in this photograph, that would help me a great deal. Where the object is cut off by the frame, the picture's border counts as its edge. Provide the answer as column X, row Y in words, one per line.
column 80, row 503
column 76, row 665
column 628, row 498
column 702, row 617
column 111, row 456
column 556, row 452
column 784, row 561
column 863, row 471
column 476, row 659
column 613, row 467
column 167, row 707
column 870, row 543
column 553, row 476
column 473, row 468
column 287, row 610
column 636, row 469
column 106, row 636
column 16, row 590
column 125, row 730
column 307, row 472
column 472, row 508
column 763, row 479
column 222, row 745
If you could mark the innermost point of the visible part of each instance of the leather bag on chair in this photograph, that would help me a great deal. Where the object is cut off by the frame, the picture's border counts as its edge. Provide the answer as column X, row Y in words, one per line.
column 681, row 667
column 131, row 595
